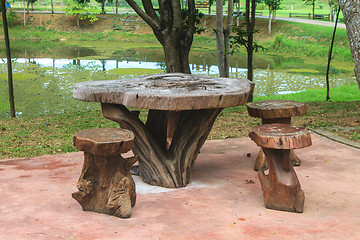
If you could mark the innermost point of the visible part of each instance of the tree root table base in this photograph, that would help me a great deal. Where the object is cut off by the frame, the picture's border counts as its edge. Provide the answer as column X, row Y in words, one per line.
column 165, row 159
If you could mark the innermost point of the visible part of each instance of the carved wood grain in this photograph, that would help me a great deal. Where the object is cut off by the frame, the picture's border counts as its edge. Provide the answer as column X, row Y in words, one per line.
column 158, row 165
column 281, row 187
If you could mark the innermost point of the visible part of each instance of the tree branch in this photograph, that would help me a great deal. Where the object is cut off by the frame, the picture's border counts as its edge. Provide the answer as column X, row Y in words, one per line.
column 153, row 23
column 149, row 9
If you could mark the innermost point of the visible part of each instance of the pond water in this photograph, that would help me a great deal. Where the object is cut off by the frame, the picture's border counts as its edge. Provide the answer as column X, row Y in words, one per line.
column 43, row 80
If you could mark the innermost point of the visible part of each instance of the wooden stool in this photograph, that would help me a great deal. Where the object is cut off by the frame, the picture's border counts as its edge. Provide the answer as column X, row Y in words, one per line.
column 281, row 187
column 105, row 184
column 276, row 111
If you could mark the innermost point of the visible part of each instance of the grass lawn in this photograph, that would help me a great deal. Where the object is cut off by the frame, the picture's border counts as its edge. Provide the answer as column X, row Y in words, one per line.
column 27, row 137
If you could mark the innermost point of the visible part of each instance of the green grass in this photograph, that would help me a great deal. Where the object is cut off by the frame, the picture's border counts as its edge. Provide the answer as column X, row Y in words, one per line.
column 298, row 6
column 338, row 94
column 27, row 137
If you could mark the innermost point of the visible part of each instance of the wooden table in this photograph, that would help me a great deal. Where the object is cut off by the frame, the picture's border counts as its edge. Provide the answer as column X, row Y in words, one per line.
column 182, row 110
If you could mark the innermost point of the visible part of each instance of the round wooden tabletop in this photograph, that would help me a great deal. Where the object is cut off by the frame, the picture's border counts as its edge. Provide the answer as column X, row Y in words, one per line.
column 170, row 91
column 268, row 109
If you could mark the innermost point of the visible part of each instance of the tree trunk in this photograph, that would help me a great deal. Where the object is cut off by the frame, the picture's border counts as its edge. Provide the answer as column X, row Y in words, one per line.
column 103, row 7
column 52, row 6
column 167, row 25
column 313, row 9
column 223, row 52
column 8, row 57
column 219, row 31
column 270, row 11
column 331, row 12
column 176, row 56
column 351, row 12
column 250, row 25
column 159, row 165
column 274, row 16
column 27, row 6
column 227, row 33
column 117, row 7
column 329, row 59
column 238, row 17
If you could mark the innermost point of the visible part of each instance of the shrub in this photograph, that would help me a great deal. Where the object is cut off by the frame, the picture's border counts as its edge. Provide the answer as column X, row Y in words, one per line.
column 82, row 11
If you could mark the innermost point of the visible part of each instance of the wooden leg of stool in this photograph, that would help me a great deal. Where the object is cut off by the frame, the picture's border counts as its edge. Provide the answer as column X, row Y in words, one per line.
column 106, row 186
column 294, row 159
column 260, row 159
column 281, row 187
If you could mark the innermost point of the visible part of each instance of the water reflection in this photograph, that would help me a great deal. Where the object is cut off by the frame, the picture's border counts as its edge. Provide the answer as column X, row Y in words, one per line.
column 43, row 85
column 106, row 65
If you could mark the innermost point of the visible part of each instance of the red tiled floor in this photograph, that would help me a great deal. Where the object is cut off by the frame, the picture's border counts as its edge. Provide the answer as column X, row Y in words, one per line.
column 36, row 203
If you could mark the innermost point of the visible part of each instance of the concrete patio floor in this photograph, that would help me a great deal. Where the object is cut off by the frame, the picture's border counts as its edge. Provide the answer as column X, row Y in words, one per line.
column 220, row 202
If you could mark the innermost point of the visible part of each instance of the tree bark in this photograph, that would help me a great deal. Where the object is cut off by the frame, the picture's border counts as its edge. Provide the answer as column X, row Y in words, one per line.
column 227, row 33
column 8, row 57
column 270, row 11
column 250, row 26
column 27, row 6
column 117, row 7
column 331, row 11
column 161, row 165
column 219, row 31
column 329, row 59
column 313, row 9
column 168, row 29
column 351, row 12
column 274, row 16
column 223, row 49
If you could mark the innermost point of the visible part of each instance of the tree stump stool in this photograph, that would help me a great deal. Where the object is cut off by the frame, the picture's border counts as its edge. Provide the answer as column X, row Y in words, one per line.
column 280, row 185
column 276, row 111
column 105, row 184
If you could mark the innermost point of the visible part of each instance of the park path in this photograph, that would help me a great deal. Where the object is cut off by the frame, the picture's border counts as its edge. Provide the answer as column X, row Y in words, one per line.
column 307, row 21
column 300, row 20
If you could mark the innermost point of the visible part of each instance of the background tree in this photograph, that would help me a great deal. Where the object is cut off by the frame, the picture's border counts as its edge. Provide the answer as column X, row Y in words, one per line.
column 210, row 2
column 333, row 4
column 311, row 2
column 8, row 57
column 32, row 5
column 330, row 58
column 351, row 12
column 223, row 50
column 245, row 37
column 117, row 6
column 102, row 2
column 82, row 10
column 273, row 5
column 174, row 28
